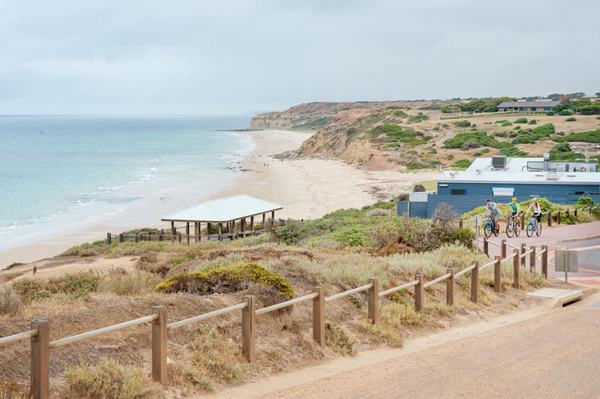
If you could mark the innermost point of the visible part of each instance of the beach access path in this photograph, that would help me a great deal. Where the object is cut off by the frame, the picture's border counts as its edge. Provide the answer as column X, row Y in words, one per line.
column 549, row 353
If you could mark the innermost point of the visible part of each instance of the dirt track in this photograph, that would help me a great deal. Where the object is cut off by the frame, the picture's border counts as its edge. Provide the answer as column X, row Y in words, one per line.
column 554, row 355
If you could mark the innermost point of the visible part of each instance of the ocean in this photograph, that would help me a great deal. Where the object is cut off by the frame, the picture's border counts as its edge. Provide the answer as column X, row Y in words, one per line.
column 63, row 173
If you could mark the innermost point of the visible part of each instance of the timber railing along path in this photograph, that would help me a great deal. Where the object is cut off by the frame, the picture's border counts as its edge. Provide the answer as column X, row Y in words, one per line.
column 41, row 346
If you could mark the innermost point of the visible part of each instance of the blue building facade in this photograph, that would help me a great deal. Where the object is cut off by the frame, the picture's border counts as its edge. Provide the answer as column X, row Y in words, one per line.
column 469, row 189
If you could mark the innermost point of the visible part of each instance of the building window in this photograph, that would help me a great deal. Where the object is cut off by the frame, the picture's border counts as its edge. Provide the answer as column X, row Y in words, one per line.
column 458, row 192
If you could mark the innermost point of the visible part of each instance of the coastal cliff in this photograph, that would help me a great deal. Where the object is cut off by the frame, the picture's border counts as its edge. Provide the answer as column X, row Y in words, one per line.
column 313, row 116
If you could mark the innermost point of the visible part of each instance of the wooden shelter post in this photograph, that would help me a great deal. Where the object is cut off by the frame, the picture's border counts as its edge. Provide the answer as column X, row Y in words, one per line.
column 252, row 224
column 220, row 231
column 187, row 231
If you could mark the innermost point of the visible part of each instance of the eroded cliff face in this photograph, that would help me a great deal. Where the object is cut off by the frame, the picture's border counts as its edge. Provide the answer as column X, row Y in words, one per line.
column 313, row 116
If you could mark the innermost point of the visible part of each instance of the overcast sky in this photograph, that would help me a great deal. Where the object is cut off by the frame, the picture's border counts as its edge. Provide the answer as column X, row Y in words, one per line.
column 234, row 57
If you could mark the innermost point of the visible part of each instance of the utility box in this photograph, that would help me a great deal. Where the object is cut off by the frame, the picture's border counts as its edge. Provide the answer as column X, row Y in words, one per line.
column 566, row 261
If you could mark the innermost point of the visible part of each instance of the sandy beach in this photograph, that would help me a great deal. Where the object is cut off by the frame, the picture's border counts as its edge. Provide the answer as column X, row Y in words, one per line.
column 306, row 188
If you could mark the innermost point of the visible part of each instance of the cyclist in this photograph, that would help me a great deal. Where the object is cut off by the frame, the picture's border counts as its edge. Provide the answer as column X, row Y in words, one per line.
column 514, row 210
column 537, row 212
column 494, row 212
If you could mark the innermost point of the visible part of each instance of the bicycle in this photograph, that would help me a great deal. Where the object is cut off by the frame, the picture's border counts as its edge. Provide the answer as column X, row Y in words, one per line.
column 533, row 226
column 490, row 227
column 512, row 226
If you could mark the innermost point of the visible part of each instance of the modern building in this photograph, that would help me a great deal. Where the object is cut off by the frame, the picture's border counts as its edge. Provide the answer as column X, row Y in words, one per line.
column 527, row 106
column 500, row 178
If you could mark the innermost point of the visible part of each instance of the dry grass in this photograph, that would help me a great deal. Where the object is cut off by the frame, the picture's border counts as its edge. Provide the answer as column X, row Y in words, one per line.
column 338, row 338
column 9, row 301
column 210, row 360
column 110, row 380
column 11, row 389
column 136, row 284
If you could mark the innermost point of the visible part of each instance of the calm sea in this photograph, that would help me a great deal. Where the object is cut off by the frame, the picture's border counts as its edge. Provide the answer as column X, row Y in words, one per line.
column 58, row 172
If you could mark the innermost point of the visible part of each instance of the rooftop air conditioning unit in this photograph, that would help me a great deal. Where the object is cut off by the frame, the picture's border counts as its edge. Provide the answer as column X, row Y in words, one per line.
column 499, row 162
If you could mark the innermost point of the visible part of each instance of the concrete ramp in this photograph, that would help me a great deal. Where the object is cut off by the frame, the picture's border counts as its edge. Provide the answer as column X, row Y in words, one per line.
column 560, row 297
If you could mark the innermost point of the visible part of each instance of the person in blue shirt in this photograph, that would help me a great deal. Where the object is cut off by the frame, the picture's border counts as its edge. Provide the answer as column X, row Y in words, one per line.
column 492, row 207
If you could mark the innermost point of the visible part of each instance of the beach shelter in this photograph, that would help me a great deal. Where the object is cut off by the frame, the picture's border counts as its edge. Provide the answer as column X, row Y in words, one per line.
column 224, row 213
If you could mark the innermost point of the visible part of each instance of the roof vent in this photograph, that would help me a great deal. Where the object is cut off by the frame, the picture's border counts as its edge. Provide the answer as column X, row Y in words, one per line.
column 499, row 162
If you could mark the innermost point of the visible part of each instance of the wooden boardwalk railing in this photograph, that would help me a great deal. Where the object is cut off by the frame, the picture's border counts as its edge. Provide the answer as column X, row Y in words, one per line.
column 40, row 332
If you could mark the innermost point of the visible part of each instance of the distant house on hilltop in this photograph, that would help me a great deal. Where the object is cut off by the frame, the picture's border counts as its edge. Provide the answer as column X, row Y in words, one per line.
column 528, row 106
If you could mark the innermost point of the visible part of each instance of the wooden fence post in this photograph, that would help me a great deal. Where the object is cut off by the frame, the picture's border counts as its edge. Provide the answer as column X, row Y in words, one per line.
column 121, row 238
column 373, row 301
column 460, row 223
column 159, row 345
column 319, row 316
column 516, row 268
column 558, row 218
column 521, row 252
column 549, row 218
column 474, row 281
column 40, row 360
column 497, row 274
column 137, row 237
column 108, row 238
column 575, row 213
column 532, row 258
column 485, row 246
column 187, row 231
column 545, row 261
column 450, row 287
column 248, row 328
column 419, row 293
column 503, row 248
column 160, row 237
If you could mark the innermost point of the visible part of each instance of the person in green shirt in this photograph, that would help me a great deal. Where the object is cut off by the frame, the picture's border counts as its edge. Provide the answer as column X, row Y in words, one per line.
column 514, row 209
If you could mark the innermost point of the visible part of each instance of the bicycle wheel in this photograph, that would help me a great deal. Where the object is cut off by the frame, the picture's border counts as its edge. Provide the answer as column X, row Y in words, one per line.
column 517, row 229
column 496, row 231
column 530, row 229
column 509, row 229
column 539, row 230
column 487, row 230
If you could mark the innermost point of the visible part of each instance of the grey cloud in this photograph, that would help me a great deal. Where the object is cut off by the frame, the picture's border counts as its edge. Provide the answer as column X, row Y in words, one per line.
column 228, row 57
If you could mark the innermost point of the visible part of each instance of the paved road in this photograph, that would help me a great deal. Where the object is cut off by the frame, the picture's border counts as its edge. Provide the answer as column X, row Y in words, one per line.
column 571, row 236
column 555, row 355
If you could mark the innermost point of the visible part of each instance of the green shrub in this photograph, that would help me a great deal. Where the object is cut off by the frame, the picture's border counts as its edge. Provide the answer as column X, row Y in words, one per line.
column 512, row 152
column 227, row 279
column 484, row 150
column 463, row 123
column 566, row 112
column 585, row 202
column 521, row 120
column 352, row 237
column 507, row 123
column 501, row 134
column 571, row 119
column 533, row 122
column 400, row 114
column 75, row 283
column 9, row 300
column 436, row 128
column 550, row 113
column 394, row 134
column 110, row 380
column 450, row 109
column 462, row 163
column 479, row 137
column 81, row 250
column 418, row 118
column 32, row 289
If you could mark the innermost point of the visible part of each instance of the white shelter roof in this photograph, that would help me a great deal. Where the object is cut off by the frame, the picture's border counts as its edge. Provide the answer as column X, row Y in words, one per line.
column 224, row 210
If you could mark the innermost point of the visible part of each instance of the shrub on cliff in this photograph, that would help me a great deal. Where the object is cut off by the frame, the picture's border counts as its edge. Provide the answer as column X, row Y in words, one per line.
column 228, row 279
